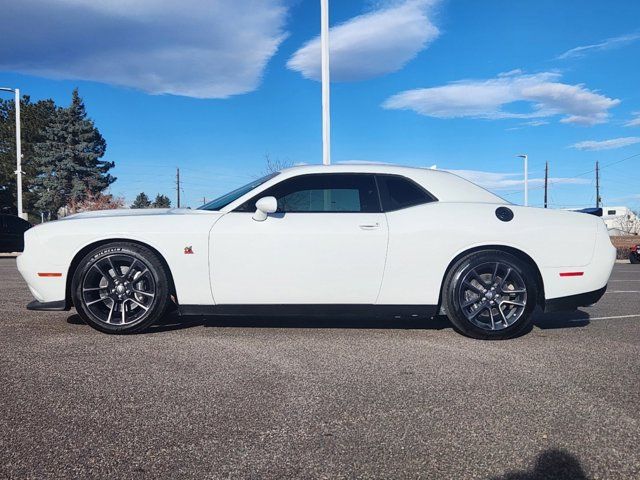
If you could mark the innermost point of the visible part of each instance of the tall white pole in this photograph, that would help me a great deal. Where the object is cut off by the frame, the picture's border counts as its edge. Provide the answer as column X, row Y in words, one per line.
column 21, row 214
column 525, row 157
column 326, row 115
column 526, row 181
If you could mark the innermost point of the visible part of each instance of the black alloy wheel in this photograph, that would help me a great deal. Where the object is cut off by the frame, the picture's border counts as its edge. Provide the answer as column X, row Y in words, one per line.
column 120, row 288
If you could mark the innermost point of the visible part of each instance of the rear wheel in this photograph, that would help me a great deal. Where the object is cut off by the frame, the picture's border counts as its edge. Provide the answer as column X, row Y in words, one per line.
column 490, row 295
column 120, row 287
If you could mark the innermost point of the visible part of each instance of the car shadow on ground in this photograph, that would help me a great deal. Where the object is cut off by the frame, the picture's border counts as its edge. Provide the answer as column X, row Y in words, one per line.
column 173, row 321
column 552, row 464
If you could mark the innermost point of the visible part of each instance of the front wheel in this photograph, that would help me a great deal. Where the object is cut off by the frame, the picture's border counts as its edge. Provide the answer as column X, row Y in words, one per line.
column 490, row 295
column 120, row 288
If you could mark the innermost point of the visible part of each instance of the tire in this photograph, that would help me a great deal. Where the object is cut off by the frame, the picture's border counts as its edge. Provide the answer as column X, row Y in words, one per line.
column 634, row 258
column 120, row 288
column 488, row 276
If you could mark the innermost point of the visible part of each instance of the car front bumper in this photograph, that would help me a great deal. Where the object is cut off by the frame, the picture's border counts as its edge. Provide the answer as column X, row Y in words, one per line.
column 58, row 306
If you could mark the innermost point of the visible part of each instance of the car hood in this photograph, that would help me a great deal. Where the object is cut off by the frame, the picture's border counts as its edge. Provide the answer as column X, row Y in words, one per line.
column 136, row 212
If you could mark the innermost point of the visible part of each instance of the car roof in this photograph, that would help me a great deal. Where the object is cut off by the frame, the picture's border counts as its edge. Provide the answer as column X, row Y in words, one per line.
column 360, row 167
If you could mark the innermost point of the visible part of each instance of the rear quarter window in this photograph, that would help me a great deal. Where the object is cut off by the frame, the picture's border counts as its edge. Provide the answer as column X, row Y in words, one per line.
column 397, row 192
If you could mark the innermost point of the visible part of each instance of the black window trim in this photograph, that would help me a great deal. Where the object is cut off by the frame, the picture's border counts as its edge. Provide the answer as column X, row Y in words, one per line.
column 432, row 198
column 259, row 195
column 375, row 175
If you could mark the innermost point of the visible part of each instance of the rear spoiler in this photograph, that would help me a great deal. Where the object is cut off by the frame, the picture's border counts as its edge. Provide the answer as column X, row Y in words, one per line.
column 591, row 211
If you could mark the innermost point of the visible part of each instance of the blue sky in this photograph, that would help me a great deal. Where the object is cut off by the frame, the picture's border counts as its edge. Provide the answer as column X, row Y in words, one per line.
column 213, row 87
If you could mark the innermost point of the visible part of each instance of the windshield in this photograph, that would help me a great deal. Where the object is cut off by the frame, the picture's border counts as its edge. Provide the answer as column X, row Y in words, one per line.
column 232, row 196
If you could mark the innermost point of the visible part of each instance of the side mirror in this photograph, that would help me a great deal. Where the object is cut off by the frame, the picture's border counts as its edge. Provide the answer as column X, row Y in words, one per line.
column 264, row 207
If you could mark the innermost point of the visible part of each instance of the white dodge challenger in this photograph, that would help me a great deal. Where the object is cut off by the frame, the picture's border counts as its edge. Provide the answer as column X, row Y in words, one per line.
column 344, row 239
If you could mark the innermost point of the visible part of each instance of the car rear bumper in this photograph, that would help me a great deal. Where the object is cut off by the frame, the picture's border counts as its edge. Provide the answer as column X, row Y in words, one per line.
column 572, row 302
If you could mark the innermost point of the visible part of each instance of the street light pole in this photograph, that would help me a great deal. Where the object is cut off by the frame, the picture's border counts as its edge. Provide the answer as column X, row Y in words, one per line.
column 526, row 178
column 18, row 172
column 326, row 118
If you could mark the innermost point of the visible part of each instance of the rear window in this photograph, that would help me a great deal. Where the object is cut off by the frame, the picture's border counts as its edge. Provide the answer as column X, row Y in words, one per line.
column 398, row 192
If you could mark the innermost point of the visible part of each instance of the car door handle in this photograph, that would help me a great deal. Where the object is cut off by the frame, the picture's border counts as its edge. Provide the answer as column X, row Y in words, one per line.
column 371, row 226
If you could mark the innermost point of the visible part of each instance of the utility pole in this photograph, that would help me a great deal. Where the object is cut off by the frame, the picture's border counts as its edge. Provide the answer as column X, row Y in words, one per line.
column 178, row 185
column 546, row 182
column 597, row 184
column 326, row 116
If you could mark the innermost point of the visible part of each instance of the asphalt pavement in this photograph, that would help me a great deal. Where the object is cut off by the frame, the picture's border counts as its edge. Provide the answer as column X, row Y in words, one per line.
column 265, row 398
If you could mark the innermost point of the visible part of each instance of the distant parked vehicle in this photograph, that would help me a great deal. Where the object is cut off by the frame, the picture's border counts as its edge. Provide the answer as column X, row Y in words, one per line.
column 12, row 230
column 634, row 256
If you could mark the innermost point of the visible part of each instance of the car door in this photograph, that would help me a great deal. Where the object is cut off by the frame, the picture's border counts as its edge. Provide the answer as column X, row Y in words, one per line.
column 326, row 244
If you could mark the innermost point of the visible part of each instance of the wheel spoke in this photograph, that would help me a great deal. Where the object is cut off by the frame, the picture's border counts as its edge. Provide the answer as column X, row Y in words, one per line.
column 469, row 303
column 495, row 274
column 520, row 290
column 139, row 304
column 106, row 275
column 124, row 315
column 143, row 273
column 130, row 274
column 478, row 278
column 113, row 306
column 140, row 292
column 473, row 287
column 113, row 267
column 504, row 318
column 93, row 289
column 101, row 299
column 513, row 302
column 493, row 323
column 504, row 279
column 475, row 313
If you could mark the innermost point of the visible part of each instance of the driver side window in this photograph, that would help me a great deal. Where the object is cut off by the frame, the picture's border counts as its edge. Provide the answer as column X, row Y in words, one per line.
column 317, row 193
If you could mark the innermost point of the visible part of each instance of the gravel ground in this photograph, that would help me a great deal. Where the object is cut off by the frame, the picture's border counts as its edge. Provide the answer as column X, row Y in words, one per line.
column 324, row 398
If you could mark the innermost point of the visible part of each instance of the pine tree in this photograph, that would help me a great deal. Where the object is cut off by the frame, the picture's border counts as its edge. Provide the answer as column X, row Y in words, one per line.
column 161, row 201
column 68, row 160
column 141, row 201
column 35, row 116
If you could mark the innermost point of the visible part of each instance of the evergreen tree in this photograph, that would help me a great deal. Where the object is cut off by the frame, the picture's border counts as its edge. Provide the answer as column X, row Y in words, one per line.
column 68, row 160
column 141, row 201
column 161, row 201
column 35, row 116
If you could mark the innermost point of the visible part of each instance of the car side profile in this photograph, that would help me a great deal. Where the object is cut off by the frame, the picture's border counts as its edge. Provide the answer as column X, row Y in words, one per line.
column 374, row 239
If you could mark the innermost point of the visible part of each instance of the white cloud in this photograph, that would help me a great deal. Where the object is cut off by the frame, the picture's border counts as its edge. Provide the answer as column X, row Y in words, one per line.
column 210, row 49
column 606, row 144
column 543, row 92
column 535, row 123
column 372, row 44
column 501, row 181
column 634, row 122
column 609, row 44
